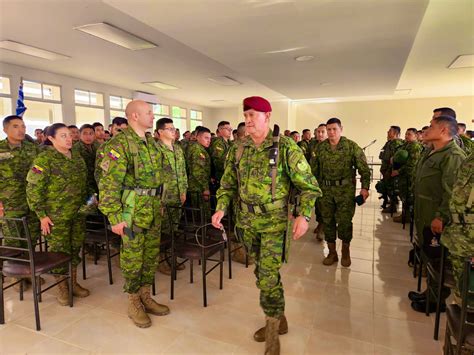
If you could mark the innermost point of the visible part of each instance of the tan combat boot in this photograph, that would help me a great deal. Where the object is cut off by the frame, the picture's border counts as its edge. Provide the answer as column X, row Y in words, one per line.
column 332, row 256
column 136, row 312
column 259, row 335
column 240, row 255
column 272, row 342
column 150, row 305
column 78, row 290
column 346, row 255
column 63, row 291
column 164, row 268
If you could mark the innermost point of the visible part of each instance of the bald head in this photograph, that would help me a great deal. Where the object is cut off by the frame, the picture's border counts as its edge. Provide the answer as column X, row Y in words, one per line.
column 140, row 116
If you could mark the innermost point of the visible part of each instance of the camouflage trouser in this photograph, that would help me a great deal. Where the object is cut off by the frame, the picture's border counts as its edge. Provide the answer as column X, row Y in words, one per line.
column 139, row 257
column 317, row 212
column 67, row 236
column 458, row 262
column 266, row 248
column 337, row 207
column 404, row 190
column 10, row 230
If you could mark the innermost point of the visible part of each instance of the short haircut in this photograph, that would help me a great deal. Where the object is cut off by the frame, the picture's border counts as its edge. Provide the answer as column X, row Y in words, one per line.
column 52, row 131
column 118, row 121
column 294, row 132
column 72, row 126
column 306, row 130
column 462, row 125
column 446, row 111
column 414, row 130
column 450, row 122
column 425, row 128
column 160, row 124
column 186, row 132
column 396, row 129
column 38, row 129
column 86, row 126
column 223, row 123
column 234, row 132
column 323, row 125
column 241, row 124
column 334, row 120
column 8, row 119
column 470, row 133
column 107, row 132
column 97, row 124
column 419, row 131
column 200, row 130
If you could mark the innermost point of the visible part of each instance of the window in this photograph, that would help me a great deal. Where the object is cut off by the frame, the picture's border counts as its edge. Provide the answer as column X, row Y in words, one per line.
column 4, row 85
column 41, row 114
column 117, row 106
column 178, row 112
column 89, row 98
column 89, row 115
column 5, row 101
column 196, row 119
column 36, row 90
column 179, row 115
column 160, row 110
column 89, row 107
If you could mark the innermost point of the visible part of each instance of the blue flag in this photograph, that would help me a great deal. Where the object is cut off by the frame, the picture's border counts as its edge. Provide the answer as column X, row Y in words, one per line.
column 20, row 106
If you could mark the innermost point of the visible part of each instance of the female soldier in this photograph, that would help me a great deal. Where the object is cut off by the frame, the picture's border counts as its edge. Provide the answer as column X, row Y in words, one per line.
column 56, row 191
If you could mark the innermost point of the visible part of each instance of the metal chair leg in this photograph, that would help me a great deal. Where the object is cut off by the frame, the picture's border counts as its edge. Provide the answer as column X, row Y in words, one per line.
column 70, row 284
column 35, row 301
column 2, row 310
column 204, row 285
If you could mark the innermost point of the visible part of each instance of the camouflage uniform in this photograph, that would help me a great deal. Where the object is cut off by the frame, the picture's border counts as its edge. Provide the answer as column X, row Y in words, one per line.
column 199, row 171
column 407, row 171
column 130, row 192
column 88, row 153
column 336, row 172
column 57, row 189
column 312, row 152
column 306, row 148
column 264, row 230
column 458, row 236
column 385, row 156
column 15, row 161
column 468, row 144
column 100, row 151
column 218, row 152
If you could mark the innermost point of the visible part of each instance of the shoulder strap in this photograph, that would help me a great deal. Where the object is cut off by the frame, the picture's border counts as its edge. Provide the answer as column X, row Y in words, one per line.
column 238, row 155
column 134, row 151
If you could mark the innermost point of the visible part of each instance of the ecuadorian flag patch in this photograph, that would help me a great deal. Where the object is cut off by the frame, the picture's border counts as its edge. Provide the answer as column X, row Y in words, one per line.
column 37, row 169
column 113, row 155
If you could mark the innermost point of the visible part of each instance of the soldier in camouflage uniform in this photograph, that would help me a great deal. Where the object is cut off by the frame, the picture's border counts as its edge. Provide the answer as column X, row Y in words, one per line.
column 16, row 157
column 261, row 184
column 467, row 142
column 175, row 182
column 393, row 144
column 458, row 236
column 56, row 191
column 405, row 173
column 219, row 149
column 87, row 150
column 435, row 175
column 304, row 144
column 130, row 192
column 335, row 164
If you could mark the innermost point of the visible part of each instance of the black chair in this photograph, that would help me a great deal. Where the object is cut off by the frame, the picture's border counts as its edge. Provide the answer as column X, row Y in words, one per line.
column 20, row 262
column 99, row 236
column 191, row 241
column 459, row 338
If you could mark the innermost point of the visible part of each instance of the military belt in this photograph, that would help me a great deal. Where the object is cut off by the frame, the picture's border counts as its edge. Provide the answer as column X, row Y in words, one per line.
column 340, row 182
column 462, row 218
column 146, row 191
column 272, row 206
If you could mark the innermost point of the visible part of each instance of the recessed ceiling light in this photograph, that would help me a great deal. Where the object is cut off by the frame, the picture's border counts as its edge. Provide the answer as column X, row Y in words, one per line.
column 225, row 81
column 304, row 58
column 462, row 61
column 33, row 51
column 402, row 91
column 285, row 50
column 116, row 35
column 160, row 85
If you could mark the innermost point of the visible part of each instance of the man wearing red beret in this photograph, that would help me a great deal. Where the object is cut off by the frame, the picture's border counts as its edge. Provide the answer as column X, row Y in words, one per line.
column 261, row 182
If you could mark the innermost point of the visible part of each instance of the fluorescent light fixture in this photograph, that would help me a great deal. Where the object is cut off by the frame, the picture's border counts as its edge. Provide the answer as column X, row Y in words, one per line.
column 402, row 92
column 285, row 50
column 160, row 85
column 225, row 81
column 32, row 51
column 116, row 36
column 304, row 58
column 218, row 100
column 462, row 61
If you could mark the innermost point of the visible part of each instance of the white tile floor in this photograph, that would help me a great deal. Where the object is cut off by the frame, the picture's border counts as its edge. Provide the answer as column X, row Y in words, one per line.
column 331, row 310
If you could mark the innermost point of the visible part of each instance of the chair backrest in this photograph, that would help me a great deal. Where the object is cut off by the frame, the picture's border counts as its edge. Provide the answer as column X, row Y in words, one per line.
column 467, row 294
column 13, row 234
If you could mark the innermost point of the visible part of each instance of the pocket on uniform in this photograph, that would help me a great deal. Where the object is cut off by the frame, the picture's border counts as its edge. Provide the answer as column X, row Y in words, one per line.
column 143, row 212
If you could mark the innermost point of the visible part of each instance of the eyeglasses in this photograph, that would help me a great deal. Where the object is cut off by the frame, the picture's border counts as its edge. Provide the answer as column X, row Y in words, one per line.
column 227, row 128
column 170, row 129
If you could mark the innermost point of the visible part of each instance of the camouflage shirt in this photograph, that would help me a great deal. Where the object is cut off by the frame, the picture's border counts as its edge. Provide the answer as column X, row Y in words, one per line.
column 306, row 148
column 199, row 168
column 57, row 184
column 218, row 152
column 468, row 144
column 414, row 150
column 15, row 162
column 387, row 153
column 340, row 163
column 88, row 153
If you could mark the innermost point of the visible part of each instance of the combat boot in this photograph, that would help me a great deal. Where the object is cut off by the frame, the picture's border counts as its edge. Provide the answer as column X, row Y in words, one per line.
column 78, row 290
column 259, row 335
column 164, row 267
column 239, row 255
column 346, row 255
column 136, row 312
column 63, row 291
column 332, row 256
column 150, row 305
column 397, row 219
column 272, row 342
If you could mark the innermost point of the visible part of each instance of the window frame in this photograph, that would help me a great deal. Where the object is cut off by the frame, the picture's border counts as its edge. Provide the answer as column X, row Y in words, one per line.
column 29, row 98
column 89, row 105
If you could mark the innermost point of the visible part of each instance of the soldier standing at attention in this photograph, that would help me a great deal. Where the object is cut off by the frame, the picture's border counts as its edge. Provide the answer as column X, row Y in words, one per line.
column 468, row 143
column 304, row 144
column 335, row 164
column 260, row 182
column 56, row 191
column 130, row 196
column 87, row 150
column 219, row 149
column 199, row 167
column 16, row 157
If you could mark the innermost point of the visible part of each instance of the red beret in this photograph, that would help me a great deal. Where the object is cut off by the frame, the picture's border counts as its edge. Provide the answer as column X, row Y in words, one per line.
column 257, row 103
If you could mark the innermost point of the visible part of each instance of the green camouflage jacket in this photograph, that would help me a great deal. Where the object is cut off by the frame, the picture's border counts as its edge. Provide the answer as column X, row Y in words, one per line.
column 15, row 162
column 175, row 181
column 218, row 152
column 468, row 144
column 414, row 150
column 387, row 153
column 306, row 148
column 88, row 153
column 117, row 198
column 56, row 184
column 199, row 168
column 256, row 181
column 341, row 163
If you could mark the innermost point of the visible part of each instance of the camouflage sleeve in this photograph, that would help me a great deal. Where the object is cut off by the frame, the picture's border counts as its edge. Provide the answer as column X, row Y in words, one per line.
column 181, row 170
column 414, row 153
column 300, row 175
column 313, row 162
column 228, row 189
column 217, row 153
column 37, row 183
column 199, row 170
column 113, row 170
column 449, row 168
column 360, row 162
column 99, row 155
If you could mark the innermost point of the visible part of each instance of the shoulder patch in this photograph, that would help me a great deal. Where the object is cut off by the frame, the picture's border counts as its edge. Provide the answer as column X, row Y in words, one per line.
column 113, row 155
column 105, row 165
column 37, row 169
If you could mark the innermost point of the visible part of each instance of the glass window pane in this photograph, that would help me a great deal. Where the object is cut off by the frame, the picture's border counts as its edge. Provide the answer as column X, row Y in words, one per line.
column 115, row 102
column 4, row 85
column 51, row 92
column 165, row 110
column 97, row 99
column 194, row 124
column 32, row 89
column 180, row 124
column 192, row 114
column 199, row 115
column 40, row 115
column 125, row 102
column 184, row 113
column 81, row 97
column 89, row 115
column 176, row 111
column 115, row 113
column 5, row 110
column 157, row 109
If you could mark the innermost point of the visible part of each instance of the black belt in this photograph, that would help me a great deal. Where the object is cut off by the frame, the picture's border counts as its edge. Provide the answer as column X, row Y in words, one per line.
column 463, row 218
column 267, row 207
column 146, row 191
column 340, row 182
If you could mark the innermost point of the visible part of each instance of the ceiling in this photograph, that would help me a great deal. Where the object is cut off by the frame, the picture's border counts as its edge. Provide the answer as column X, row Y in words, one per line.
column 362, row 48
